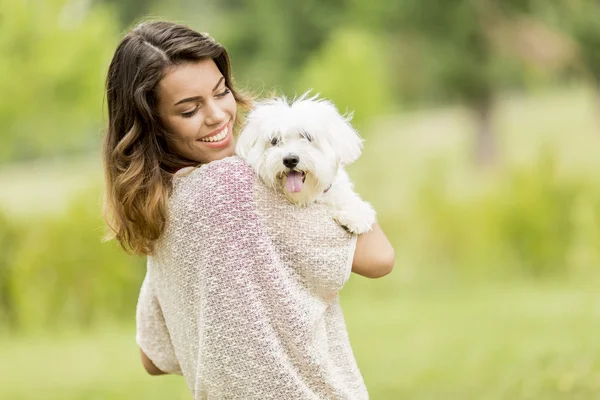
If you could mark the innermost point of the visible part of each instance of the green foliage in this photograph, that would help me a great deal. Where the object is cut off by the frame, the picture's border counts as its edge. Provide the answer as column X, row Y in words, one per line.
column 60, row 273
column 271, row 41
column 583, row 21
column 423, row 51
column 351, row 71
column 129, row 10
column 8, row 245
column 458, row 51
column 523, row 225
column 52, row 82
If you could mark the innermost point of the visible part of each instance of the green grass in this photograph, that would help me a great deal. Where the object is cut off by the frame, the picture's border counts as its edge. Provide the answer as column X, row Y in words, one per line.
column 100, row 365
column 503, row 341
column 34, row 189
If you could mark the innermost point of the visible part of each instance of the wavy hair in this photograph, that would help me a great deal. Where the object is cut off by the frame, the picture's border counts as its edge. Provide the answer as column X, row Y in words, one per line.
column 138, row 163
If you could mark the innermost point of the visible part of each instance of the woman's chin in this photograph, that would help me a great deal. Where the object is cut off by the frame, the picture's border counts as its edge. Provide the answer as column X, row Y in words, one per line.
column 218, row 154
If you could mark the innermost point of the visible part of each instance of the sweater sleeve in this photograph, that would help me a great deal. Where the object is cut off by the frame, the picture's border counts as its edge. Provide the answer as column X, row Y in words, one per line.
column 152, row 335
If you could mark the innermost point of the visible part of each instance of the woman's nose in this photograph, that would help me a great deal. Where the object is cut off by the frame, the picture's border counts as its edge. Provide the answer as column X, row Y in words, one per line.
column 215, row 114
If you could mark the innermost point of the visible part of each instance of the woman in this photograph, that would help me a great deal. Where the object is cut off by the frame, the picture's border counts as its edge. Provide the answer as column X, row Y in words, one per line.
column 241, row 290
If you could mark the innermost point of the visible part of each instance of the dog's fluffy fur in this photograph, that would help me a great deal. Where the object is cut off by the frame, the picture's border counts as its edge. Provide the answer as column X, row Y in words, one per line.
column 311, row 132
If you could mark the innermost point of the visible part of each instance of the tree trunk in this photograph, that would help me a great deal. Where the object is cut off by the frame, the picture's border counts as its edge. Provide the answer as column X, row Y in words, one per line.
column 7, row 310
column 485, row 141
column 597, row 81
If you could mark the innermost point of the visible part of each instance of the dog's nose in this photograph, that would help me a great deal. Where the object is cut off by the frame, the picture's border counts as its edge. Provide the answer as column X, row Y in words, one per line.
column 291, row 160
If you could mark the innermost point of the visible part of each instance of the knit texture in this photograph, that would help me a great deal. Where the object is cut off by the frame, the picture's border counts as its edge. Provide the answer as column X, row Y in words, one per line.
column 241, row 296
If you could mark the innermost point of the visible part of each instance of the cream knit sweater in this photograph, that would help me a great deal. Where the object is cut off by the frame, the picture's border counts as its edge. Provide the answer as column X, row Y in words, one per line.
column 241, row 294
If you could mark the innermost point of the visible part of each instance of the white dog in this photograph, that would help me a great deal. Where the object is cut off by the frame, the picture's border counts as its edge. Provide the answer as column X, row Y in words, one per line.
column 300, row 150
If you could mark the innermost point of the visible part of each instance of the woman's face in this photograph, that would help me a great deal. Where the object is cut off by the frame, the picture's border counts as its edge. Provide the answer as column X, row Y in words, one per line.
column 198, row 110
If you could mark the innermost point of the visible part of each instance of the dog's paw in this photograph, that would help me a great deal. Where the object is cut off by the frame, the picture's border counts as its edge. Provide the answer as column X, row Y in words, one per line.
column 358, row 220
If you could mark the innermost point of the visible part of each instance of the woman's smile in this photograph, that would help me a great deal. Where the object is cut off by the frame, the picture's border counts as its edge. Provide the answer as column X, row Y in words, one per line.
column 219, row 138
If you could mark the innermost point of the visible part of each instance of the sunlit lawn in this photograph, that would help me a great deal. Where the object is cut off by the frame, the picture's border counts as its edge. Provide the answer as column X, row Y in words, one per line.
column 99, row 365
column 504, row 341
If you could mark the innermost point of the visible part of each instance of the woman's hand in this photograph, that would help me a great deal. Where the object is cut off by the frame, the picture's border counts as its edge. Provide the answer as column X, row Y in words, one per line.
column 374, row 256
column 149, row 365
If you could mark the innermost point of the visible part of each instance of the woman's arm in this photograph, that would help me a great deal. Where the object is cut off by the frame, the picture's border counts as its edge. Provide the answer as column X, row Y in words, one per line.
column 152, row 335
column 374, row 256
column 149, row 365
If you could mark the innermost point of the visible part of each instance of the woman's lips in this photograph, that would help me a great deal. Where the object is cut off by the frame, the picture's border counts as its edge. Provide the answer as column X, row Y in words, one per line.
column 220, row 138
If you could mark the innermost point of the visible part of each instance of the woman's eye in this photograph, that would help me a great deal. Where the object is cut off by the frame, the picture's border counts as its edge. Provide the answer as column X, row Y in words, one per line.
column 274, row 141
column 224, row 92
column 189, row 113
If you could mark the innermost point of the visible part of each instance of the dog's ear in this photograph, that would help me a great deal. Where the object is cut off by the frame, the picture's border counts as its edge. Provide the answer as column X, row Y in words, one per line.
column 343, row 137
column 257, row 123
column 247, row 139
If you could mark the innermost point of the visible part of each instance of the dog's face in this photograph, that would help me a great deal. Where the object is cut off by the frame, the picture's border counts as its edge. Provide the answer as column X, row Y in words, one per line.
column 298, row 148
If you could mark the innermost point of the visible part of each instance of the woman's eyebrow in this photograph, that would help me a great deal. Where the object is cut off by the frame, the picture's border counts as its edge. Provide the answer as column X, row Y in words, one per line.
column 196, row 98
column 218, row 83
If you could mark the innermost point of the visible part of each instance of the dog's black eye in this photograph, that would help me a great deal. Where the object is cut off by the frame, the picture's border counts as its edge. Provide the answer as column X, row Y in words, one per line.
column 274, row 141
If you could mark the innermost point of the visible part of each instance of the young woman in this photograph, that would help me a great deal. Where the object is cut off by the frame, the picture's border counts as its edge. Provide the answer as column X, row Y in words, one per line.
column 241, row 290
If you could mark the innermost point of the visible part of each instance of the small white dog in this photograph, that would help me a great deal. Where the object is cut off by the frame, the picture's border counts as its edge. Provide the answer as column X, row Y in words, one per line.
column 300, row 150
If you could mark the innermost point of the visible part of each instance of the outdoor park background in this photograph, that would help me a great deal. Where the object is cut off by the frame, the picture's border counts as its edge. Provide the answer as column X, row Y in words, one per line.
column 482, row 128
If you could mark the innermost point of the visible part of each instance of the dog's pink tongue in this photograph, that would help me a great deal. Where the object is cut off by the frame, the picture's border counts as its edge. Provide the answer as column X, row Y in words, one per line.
column 294, row 182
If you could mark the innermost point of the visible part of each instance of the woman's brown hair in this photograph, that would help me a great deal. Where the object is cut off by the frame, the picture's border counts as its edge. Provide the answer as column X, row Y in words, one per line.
column 138, row 162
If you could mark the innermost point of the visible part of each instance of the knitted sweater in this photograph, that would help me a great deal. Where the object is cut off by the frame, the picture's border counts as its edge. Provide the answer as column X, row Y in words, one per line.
column 241, row 293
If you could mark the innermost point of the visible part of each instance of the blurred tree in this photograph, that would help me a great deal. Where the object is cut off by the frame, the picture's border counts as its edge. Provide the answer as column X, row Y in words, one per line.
column 463, row 59
column 349, row 71
column 583, row 17
column 130, row 10
column 450, row 50
column 270, row 41
column 52, row 79
column 61, row 273
column 8, row 246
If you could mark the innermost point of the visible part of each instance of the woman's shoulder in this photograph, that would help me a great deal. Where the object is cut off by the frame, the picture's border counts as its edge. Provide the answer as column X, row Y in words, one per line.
column 213, row 187
column 211, row 196
column 227, row 173
column 224, row 166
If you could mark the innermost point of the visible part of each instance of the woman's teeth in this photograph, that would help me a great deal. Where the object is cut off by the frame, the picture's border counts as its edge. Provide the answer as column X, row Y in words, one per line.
column 217, row 138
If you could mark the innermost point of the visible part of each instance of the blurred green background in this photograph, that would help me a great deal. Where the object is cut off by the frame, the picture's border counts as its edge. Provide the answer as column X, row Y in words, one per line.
column 482, row 128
